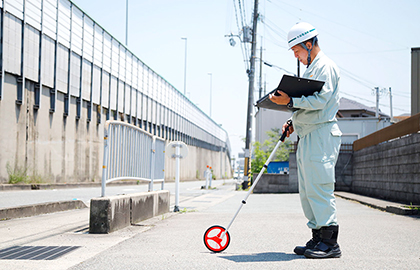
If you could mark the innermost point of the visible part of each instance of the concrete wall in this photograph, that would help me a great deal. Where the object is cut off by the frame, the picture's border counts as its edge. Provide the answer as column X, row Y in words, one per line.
column 194, row 165
column 389, row 170
column 57, row 149
column 52, row 148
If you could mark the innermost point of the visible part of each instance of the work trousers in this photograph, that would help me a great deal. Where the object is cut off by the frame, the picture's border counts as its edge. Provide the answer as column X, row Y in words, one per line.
column 317, row 155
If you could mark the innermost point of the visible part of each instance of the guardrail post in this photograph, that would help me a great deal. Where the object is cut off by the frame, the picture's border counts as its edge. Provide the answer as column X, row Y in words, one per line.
column 152, row 167
column 105, row 164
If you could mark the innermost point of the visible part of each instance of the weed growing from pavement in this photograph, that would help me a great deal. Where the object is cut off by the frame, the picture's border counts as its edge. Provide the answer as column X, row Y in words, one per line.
column 413, row 207
column 184, row 211
column 19, row 174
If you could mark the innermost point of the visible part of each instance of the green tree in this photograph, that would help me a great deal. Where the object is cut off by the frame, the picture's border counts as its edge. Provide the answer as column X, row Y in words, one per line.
column 262, row 152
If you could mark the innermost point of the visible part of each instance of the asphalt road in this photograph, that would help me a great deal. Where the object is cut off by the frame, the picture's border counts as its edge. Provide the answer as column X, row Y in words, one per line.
column 262, row 236
column 29, row 197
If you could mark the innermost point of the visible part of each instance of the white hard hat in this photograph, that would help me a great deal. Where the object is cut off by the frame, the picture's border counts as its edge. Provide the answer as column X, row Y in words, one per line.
column 299, row 33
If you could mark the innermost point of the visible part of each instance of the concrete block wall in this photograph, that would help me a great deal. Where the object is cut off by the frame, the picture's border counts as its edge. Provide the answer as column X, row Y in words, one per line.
column 279, row 183
column 274, row 183
column 344, row 172
column 389, row 170
column 108, row 214
column 293, row 176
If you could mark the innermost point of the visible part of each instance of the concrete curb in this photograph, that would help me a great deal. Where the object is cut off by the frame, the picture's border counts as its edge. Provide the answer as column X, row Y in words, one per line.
column 386, row 206
column 39, row 209
column 108, row 214
column 14, row 187
column 48, row 186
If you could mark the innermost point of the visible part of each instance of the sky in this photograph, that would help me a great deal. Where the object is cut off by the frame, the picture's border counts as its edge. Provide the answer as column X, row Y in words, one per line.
column 369, row 40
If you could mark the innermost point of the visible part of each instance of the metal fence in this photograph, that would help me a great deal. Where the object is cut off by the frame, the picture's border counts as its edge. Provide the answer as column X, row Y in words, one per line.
column 130, row 153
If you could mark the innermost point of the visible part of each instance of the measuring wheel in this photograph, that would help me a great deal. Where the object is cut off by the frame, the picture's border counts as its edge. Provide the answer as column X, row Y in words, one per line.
column 216, row 238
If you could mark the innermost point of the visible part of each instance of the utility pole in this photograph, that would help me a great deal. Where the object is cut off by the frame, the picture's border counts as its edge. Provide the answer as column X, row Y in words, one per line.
column 390, row 104
column 261, row 61
column 251, row 75
column 377, row 102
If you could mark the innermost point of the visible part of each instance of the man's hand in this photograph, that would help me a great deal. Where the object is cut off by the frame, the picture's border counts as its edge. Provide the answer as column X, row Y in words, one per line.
column 289, row 132
column 283, row 99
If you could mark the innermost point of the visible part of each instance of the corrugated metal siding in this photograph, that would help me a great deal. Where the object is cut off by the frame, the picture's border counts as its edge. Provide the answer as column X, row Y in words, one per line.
column 62, row 68
column 31, row 53
column 96, row 85
column 48, row 48
column 12, row 44
column 105, row 90
column 86, row 79
column 75, row 61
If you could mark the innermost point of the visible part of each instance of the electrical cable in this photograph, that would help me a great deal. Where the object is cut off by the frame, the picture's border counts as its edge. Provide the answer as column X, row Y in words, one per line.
column 243, row 46
column 329, row 20
column 366, row 83
column 242, row 12
column 372, row 102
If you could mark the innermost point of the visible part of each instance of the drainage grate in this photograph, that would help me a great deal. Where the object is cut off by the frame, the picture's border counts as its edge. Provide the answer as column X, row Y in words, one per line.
column 35, row 252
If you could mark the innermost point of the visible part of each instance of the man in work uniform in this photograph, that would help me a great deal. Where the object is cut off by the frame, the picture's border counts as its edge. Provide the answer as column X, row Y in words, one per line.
column 320, row 137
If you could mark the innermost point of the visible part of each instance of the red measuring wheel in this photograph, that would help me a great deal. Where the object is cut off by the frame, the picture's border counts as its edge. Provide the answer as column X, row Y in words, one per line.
column 216, row 238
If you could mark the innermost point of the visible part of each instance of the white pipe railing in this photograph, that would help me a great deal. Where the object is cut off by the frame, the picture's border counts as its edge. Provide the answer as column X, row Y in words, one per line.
column 131, row 153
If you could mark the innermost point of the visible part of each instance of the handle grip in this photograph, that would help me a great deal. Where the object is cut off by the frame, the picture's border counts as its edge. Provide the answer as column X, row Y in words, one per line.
column 283, row 136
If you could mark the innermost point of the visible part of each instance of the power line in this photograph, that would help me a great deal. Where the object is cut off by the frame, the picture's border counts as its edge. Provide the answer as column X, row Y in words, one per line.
column 242, row 12
column 273, row 25
column 354, row 77
column 243, row 45
column 370, row 52
column 329, row 20
column 370, row 101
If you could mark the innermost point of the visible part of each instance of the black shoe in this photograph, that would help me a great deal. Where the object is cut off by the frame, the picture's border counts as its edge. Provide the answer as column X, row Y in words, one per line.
column 300, row 250
column 327, row 247
column 323, row 251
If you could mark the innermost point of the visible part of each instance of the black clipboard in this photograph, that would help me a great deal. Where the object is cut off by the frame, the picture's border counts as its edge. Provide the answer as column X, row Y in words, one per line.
column 294, row 87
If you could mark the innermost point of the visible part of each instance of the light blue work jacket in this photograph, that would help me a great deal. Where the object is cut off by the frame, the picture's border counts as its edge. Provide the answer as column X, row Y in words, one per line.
column 320, row 108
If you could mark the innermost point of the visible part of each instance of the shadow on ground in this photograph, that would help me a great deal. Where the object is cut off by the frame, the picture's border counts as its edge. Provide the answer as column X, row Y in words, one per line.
column 263, row 257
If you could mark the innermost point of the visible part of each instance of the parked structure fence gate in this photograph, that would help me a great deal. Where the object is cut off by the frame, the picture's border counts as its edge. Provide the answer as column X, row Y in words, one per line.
column 131, row 153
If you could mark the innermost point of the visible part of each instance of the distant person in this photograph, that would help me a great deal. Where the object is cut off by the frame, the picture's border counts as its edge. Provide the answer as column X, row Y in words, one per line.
column 320, row 137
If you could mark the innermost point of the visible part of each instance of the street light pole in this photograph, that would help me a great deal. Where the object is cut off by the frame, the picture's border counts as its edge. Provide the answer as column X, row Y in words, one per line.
column 185, row 67
column 211, row 79
column 126, row 23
